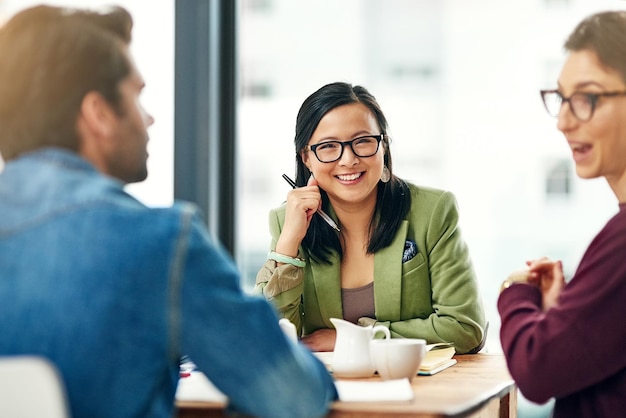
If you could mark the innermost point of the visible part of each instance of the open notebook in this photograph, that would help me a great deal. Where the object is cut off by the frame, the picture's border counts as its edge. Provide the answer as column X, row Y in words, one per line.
column 438, row 357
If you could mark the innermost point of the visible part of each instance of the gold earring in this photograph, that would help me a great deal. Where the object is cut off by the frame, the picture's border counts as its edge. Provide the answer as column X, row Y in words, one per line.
column 386, row 175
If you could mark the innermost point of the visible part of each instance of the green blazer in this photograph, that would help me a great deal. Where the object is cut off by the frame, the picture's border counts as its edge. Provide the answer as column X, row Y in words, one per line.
column 433, row 296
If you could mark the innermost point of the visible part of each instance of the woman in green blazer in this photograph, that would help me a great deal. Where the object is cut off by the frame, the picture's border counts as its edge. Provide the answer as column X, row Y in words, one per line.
column 398, row 257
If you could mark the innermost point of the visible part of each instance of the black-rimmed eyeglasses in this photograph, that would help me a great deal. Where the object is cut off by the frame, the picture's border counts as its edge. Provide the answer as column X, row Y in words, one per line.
column 331, row 151
column 582, row 105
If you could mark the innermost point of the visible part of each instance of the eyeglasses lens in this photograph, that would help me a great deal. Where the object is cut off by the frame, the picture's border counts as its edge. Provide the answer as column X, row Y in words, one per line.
column 552, row 101
column 581, row 104
column 332, row 150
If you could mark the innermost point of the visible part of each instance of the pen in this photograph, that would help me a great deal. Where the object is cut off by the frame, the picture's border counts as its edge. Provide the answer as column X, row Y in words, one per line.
column 320, row 212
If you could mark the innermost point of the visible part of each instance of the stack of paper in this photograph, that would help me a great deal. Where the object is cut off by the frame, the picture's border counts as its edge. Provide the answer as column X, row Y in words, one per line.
column 196, row 387
column 374, row 391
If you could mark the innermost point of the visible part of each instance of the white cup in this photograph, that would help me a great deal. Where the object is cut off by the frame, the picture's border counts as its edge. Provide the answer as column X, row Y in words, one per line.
column 397, row 358
column 289, row 329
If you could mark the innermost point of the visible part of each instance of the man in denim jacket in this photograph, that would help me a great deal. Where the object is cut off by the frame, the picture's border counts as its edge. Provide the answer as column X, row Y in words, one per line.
column 112, row 292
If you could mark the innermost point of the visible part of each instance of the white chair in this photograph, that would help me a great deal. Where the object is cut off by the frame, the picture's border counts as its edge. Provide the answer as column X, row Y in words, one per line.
column 31, row 387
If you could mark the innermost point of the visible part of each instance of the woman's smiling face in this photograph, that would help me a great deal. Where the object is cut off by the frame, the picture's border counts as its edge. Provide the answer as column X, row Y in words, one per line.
column 351, row 179
column 598, row 145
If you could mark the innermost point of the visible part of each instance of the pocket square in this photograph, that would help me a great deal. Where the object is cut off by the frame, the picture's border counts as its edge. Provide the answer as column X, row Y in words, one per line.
column 410, row 250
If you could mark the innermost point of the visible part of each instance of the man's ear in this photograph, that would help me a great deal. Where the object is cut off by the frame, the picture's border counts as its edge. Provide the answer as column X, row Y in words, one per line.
column 97, row 116
column 95, row 127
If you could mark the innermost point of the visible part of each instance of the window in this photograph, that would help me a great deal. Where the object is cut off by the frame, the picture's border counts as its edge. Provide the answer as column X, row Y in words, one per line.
column 558, row 179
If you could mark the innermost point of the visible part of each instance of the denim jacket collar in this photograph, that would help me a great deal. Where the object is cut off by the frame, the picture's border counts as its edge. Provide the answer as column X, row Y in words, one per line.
column 37, row 183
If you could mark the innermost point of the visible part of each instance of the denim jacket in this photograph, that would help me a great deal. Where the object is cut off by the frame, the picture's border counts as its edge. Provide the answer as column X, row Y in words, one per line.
column 114, row 293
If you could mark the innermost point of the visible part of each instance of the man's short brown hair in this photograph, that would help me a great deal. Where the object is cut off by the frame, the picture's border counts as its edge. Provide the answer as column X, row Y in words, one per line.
column 51, row 58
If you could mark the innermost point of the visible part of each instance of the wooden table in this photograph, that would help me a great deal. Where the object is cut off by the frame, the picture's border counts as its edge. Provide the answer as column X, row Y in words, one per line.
column 478, row 386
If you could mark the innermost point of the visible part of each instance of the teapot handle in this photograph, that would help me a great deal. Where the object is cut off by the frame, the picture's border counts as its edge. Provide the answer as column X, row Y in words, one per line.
column 383, row 329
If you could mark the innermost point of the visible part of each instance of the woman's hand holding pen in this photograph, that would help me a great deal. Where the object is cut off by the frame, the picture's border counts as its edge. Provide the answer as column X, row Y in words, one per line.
column 302, row 203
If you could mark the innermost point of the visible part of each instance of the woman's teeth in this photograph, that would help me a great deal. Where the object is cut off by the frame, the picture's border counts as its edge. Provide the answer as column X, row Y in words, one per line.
column 349, row 177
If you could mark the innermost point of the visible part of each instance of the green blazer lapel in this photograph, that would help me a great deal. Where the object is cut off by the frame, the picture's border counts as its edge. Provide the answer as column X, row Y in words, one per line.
column 388, row 277
column 326, row 279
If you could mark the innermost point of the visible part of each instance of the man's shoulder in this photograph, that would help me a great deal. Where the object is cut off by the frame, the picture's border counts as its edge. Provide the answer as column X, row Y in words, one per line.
column 180, row 215
column 182, row 210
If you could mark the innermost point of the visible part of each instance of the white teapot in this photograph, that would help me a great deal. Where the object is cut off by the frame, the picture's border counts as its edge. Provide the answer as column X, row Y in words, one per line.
column 352, row 357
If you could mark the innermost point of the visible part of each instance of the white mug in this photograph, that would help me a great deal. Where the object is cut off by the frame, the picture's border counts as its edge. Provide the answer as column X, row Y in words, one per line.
column 398, row 357
column 289, row 329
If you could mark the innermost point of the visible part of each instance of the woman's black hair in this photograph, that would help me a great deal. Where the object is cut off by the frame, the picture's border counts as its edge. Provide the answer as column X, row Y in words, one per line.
column 393, row 199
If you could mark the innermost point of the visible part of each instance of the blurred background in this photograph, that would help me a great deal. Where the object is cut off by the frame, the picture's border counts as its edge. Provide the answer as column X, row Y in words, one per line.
column 459, row 83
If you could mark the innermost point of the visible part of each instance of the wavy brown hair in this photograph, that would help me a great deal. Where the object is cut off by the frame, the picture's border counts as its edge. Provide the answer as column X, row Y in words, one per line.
column 605, row 34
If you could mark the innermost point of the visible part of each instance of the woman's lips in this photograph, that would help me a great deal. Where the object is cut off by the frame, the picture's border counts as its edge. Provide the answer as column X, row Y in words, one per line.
column 580, row 151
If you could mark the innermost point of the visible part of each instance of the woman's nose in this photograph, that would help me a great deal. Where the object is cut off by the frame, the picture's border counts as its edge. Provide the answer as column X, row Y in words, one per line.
column 348, row 157
column 566, row 119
